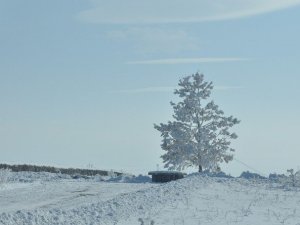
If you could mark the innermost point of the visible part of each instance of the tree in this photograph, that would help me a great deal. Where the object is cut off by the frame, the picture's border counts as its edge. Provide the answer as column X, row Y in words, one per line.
column 199, row 135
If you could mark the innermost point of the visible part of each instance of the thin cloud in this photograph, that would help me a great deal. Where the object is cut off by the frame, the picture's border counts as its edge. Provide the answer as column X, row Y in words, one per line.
column 225, row 88
column 186, row 61
column 151, row 40
column 146, row 90
column 178, row 11
column 167, row 89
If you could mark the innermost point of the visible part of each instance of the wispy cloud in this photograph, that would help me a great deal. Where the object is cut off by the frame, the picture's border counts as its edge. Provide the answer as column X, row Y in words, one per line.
column 187, row 61
column 170, row 11
column 149, row 40
column 225, row 88
column 167, row 89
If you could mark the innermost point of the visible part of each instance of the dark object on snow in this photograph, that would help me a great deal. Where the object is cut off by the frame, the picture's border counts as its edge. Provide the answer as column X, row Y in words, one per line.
column 165, row 176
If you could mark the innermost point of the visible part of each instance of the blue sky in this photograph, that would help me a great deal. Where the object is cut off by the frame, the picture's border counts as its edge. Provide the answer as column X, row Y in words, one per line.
column 82, row 82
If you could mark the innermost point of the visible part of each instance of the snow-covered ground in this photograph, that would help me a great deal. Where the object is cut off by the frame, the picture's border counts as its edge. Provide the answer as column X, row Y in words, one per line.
column 42, row 198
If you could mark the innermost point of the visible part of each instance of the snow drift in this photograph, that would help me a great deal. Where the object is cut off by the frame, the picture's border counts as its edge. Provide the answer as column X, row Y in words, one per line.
column 195, row 200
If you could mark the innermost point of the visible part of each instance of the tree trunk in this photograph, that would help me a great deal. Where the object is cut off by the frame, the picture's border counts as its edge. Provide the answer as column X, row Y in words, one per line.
column 200, row 169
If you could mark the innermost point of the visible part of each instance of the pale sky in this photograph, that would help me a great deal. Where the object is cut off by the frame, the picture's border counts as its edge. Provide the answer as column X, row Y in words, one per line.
column 82, row 82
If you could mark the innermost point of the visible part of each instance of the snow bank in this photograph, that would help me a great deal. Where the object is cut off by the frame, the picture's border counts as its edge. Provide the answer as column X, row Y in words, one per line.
column 211, row 174
column 29, row 177
column 25, row 177
column 130, row 179
column 4, row 174
column 194, row 200
column 249, row 175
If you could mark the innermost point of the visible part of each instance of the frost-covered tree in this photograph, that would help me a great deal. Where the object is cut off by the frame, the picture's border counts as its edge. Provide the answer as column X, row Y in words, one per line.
column 199, row 135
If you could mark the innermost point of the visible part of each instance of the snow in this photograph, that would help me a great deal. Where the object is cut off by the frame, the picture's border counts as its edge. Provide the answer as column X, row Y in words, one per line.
column 42, row 198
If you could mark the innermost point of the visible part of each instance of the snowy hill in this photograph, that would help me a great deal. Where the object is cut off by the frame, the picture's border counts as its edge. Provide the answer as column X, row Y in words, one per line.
column 193, row 200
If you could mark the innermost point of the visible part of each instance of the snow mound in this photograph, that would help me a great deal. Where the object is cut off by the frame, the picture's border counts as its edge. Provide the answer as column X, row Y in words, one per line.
column 211, row 174
column 249, row 175
column 130, row 179
column 127, row 200
column 276, row 177
column 193, row 200
column 29, row 177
